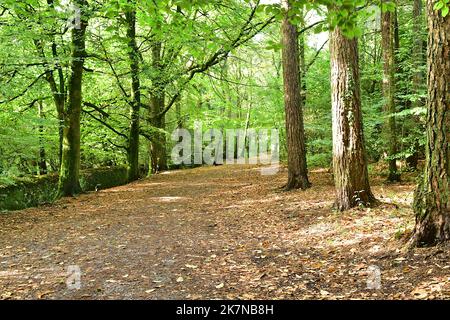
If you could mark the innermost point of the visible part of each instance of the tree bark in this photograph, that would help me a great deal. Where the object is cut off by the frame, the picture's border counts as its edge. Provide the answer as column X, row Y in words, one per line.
column 58, row 94
column 158, row 157
column 302, row 62
column 432, row 198
column 58, row 90
column 417, row 51
column 69, row 183
column 42, row 156
column 417, row 80
column 349, row 156
column 295, row 136
column 248, row 114
column 389, row 67
column 133, row 55
column 178, row 114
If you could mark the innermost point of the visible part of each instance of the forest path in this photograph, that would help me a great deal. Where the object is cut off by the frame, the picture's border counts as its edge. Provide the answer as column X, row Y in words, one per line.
column 216, row 232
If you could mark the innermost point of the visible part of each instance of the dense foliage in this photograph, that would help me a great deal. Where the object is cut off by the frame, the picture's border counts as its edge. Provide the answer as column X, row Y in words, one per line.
column 221, row 65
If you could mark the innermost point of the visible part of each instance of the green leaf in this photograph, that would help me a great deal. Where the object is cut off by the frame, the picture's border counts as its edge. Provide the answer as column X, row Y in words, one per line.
column 438, row 5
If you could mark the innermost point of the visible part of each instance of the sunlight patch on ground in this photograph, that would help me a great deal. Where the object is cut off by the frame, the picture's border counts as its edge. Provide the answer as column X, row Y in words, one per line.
column 320, row 170
column 121, row 190
column 358, row 238
column 254, row 201
column 152, row 184
column 401, row 195
column 170, row 172
column 321, row 228
column 169, row 199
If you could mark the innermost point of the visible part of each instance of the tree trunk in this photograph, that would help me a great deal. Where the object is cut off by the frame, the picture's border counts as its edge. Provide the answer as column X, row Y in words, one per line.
column 349, row 156
column 179, row 118
column 69, row 184
column 295, row 136
column 248, row 114
column 158, row 157
column 432, row 198
column 58, row 94
column 302, row 62
column 42, row 156
column 417, row 80
column 58, row 90
column 133, row 139
column 178, row 114
column 387, row 39
column 417, row 53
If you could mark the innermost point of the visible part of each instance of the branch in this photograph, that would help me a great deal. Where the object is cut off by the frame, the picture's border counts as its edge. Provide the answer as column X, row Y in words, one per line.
column 25, row 90
column 238, row 83
column 310, row 26
column 218, row 56
column 106, row 125
column 124, row 92
column 117, row 145
column 32, row 103
column 145, row 134
column 93, row 106
column 315, row 56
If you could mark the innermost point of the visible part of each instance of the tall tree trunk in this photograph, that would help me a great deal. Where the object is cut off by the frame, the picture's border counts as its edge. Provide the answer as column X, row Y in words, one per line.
column 302, row 62
column 388, row 42
column 178, row 114
column 58, row 94
column 246, row 128
column 158, row 155
column 417, row 80
column 375, row 60
column 179, row 119
column 69, row 183
column 248, row 114
column 295, row 136
column 432, row 198
column 349, row 156
column 417, row 53
column 42, row 156
column 133, row 55
column 58, row 90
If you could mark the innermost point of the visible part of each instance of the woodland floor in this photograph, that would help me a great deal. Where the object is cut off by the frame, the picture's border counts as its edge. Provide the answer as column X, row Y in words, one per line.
column 223, row 232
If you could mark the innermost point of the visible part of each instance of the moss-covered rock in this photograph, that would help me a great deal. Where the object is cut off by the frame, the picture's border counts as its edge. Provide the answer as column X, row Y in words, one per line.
column 35, row 191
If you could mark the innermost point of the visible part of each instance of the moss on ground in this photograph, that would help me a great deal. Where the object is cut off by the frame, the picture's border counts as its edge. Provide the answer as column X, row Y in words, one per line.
column 31, row 192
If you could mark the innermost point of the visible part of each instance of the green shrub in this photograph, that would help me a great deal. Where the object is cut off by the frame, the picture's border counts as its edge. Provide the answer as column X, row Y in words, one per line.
column 320, row 160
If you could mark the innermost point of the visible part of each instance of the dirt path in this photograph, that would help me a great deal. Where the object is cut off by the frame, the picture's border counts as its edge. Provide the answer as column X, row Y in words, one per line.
column 217, row 232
